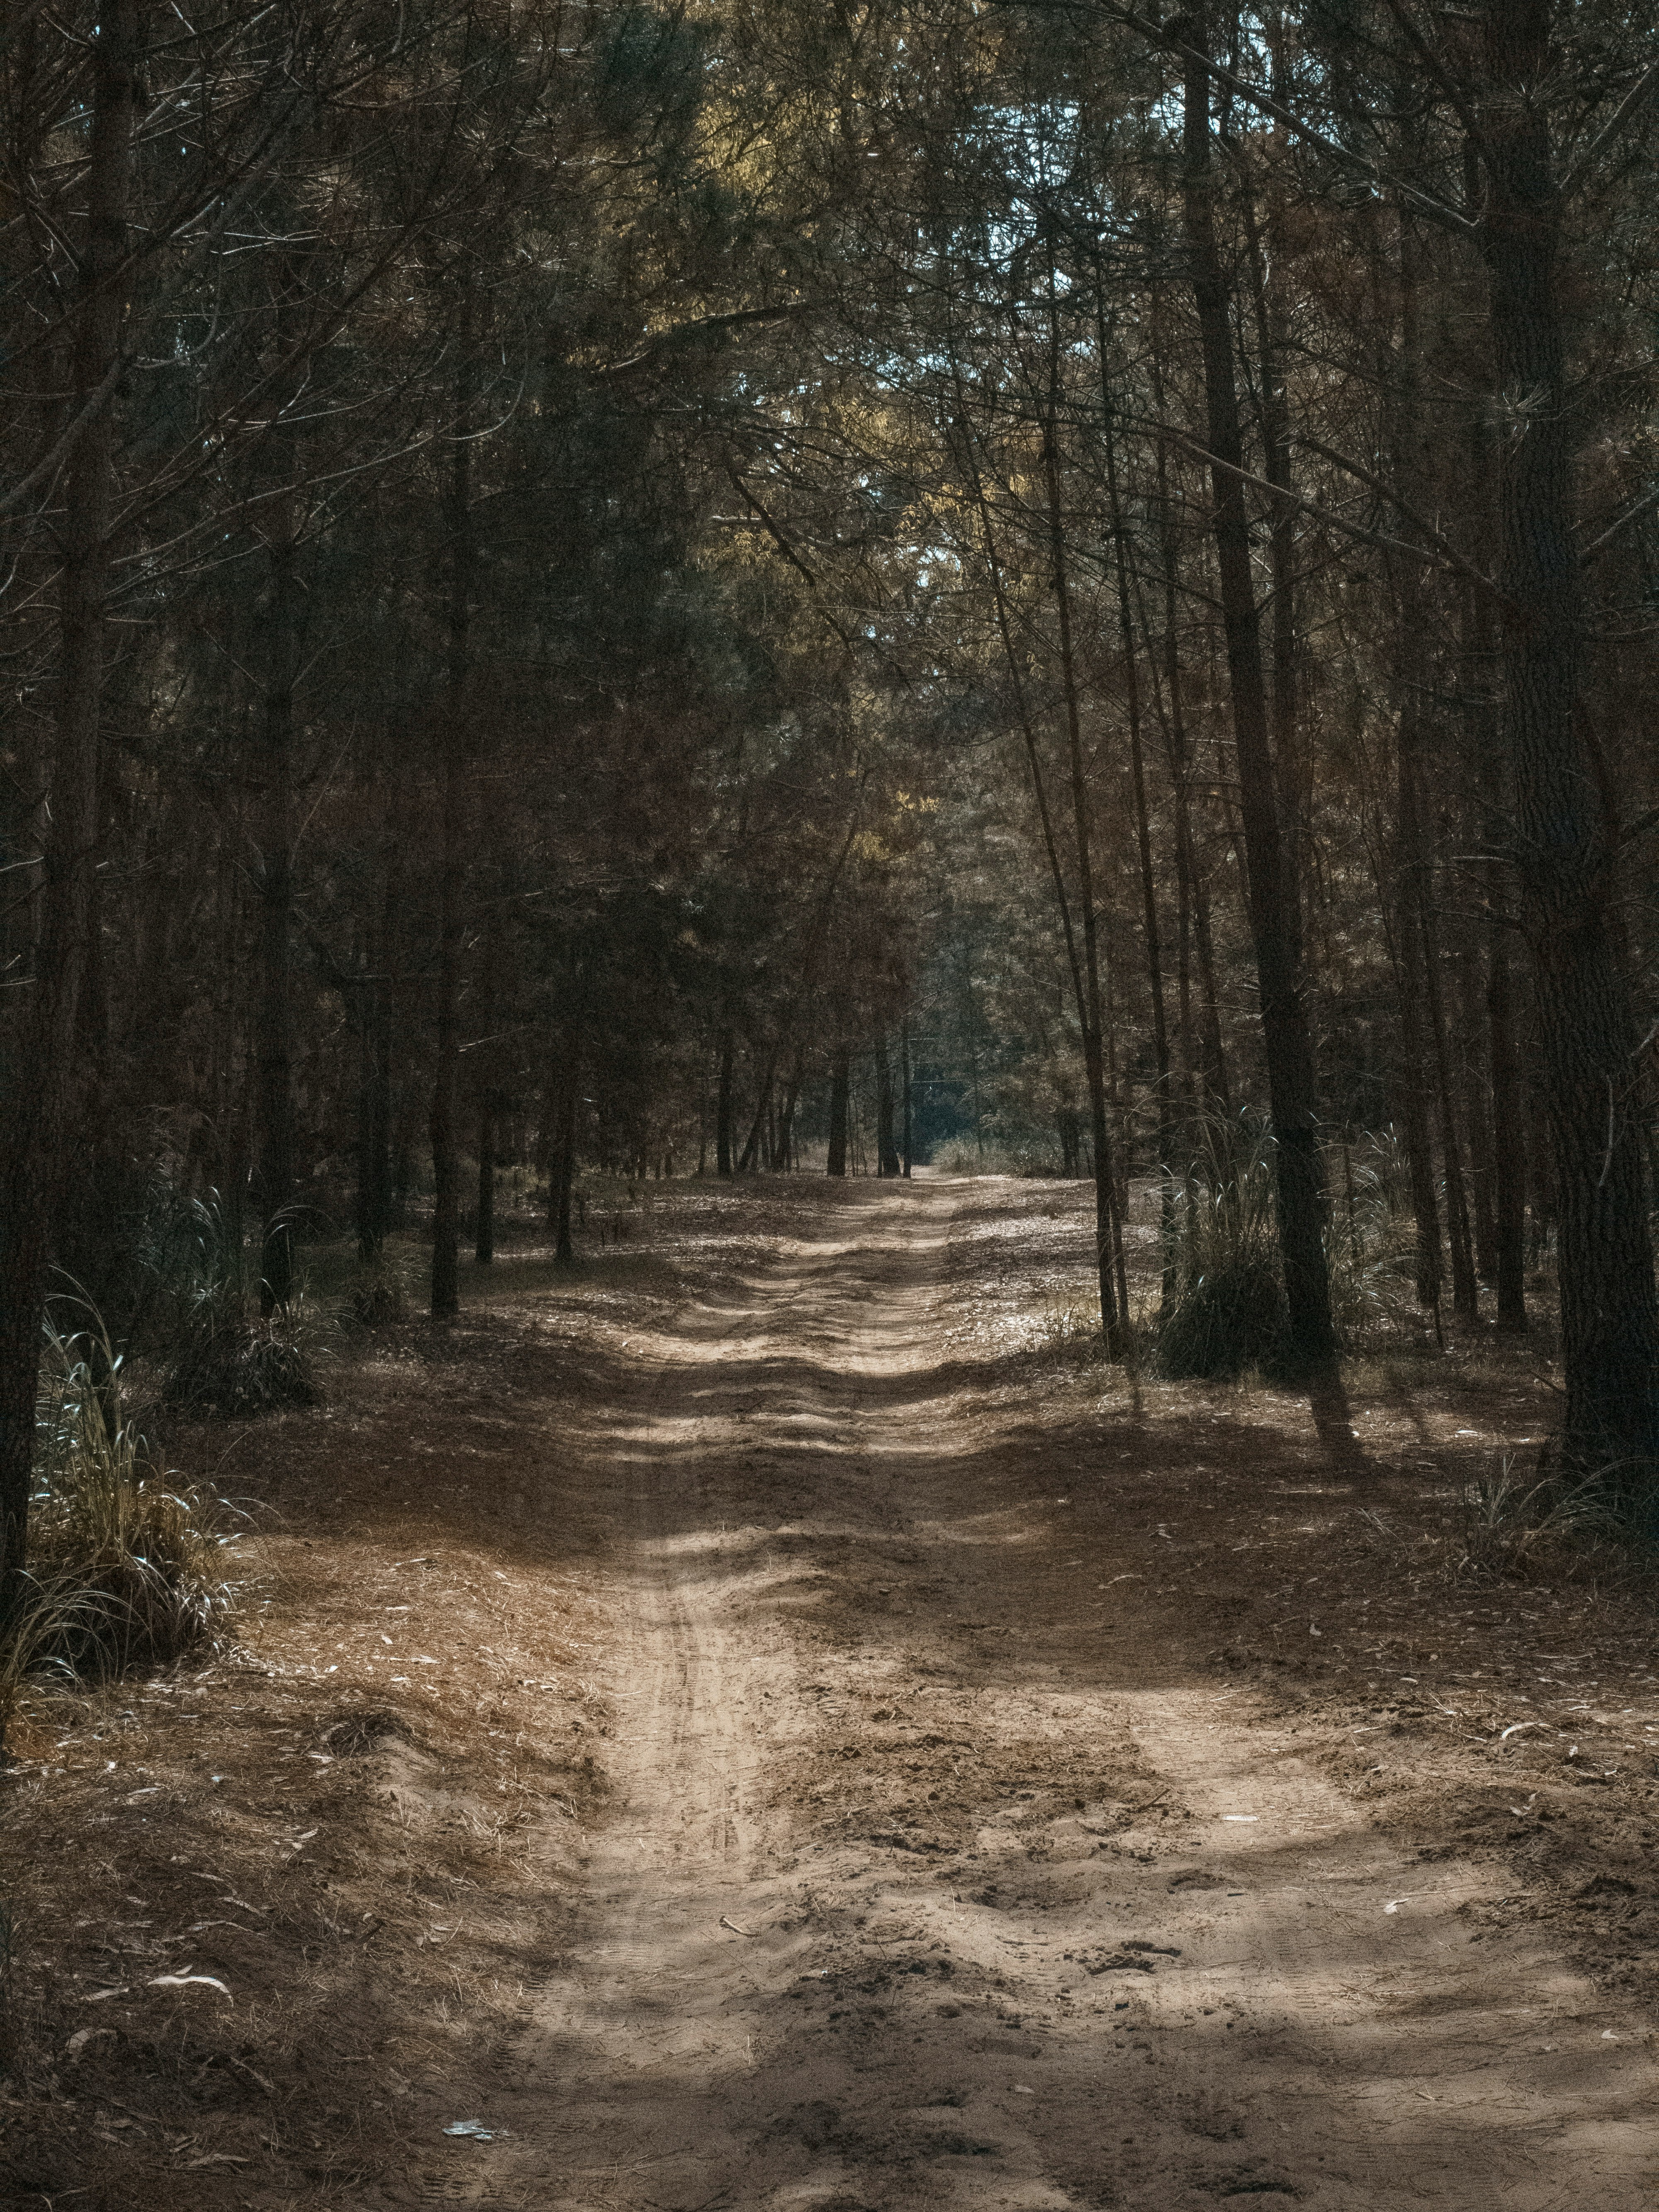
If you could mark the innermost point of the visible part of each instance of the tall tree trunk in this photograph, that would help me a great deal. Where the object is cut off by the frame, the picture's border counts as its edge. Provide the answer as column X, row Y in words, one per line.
column 1508, row 1136
column 443, row 1122
column 1289, row 774
column 1465, row 1298
column 42, row 1077
column 840, row 1080
column 375, row 1124
column 1212, row 1098
column 1084, row 963
column 1402, row 887
column 904, row 1093
column 1414, row 1088
column 887, row 1159
column 274, row 1047
column 1148, row 879
column 787, row 1119
column 723, row 1106
column 561, row 1166
column 484, row 1238
column 491, row 1102
column 1566, row 842
column 1113, row 1316
column 1474, row 1105
column 1287, row 1046
column 1480, row 654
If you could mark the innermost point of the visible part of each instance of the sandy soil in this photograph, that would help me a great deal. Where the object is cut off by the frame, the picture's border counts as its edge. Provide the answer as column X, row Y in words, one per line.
column 856, row 1758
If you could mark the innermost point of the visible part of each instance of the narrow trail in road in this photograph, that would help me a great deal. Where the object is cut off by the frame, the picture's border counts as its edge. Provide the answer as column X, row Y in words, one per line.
column 941, row 1865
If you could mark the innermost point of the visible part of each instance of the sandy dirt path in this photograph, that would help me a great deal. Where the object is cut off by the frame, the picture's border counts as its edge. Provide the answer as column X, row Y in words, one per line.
column 939, row 1871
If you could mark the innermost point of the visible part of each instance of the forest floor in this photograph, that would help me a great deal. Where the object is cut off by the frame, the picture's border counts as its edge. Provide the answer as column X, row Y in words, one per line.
column 764, row 1721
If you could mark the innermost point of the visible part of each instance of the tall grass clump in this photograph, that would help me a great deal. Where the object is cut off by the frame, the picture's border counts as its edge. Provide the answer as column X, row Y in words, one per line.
column 1370, row 1242
column 223, row 1354
column 128, row 1563
column 1514, row 1525
column 1228, row 1312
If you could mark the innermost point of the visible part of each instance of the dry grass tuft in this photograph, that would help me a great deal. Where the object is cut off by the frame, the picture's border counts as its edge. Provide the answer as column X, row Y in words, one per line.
column 128, row 1561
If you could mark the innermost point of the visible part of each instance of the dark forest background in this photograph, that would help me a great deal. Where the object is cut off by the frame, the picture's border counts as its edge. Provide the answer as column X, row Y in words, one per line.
column 600, row 591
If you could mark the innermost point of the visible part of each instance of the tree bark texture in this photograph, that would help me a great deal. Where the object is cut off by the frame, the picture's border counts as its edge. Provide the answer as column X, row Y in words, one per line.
column 1566, row 842
column 1287, row 1046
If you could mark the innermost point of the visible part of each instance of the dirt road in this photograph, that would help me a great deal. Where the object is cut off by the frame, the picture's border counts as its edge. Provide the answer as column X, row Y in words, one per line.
column 945, row 1867
column 766, row 1720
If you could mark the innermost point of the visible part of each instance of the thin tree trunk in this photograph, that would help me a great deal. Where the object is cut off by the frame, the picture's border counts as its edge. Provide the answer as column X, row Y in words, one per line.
column 787, row 1119
column 491, row 1102
column 374, row 1164
column 1466, row 1301
column 562, row 1165
column 756, row 1148
column 483, row 1241
column 1148, row 879
column 887, row 1158
column 723, row 1107
column 444, row 1122
column 1587, row 1072
column 1474, row 1104
column 1508, row 1136
column 274, row 1173
column 1509, row 1116
column 1287, row 1046
column 1281, row 567
column 1413, row 1110
column 840, row 1079
column 1209, row 1092
column 1113, row 1314
column 1084, row 973
column 904, row 1092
